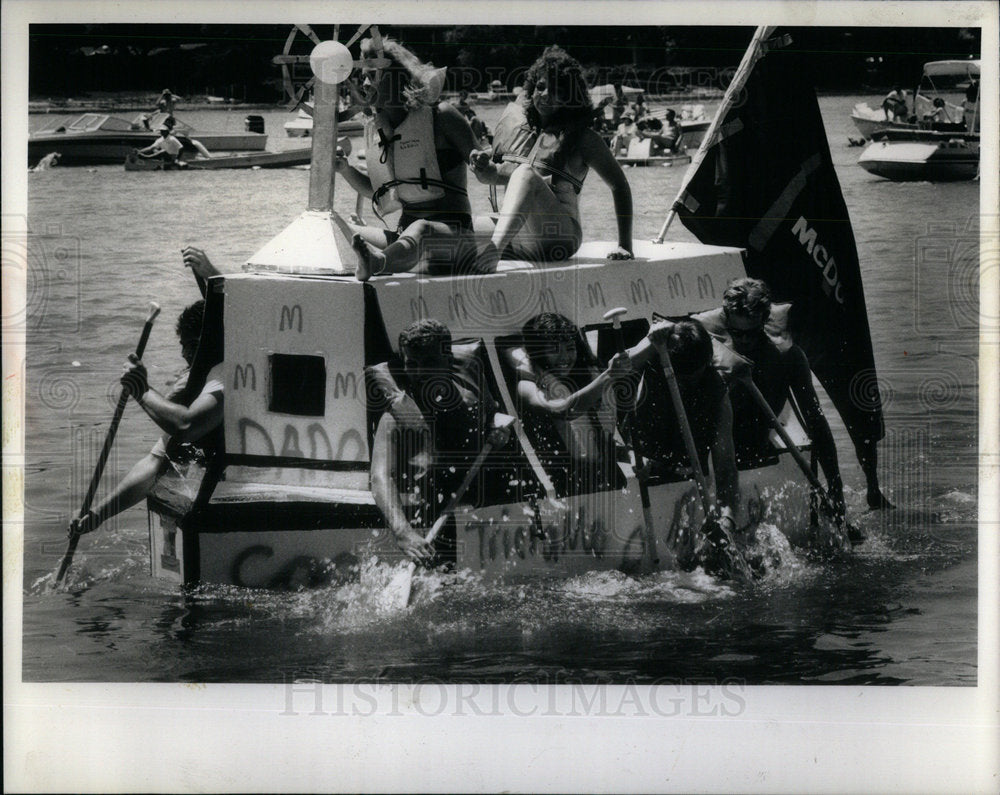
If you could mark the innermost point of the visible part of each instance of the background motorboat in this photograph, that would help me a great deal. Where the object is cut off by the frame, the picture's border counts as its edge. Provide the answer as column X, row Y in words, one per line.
column 95, row 138
column 922, row 155
column 949, row 81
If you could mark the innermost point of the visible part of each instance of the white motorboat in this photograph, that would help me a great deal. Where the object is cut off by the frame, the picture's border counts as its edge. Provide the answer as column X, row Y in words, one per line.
column 301, row 126
column 922, row 155
column 947, row 81
column 96, row 138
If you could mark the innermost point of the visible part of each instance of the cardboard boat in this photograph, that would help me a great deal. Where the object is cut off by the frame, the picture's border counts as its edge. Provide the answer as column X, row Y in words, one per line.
column 296, row 494
column 287, row 501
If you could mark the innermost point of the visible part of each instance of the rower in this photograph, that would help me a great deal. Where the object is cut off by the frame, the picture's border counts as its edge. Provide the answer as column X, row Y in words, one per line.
column 436, row 423
column 166, row 148
column 168, row 452
column 777, row 374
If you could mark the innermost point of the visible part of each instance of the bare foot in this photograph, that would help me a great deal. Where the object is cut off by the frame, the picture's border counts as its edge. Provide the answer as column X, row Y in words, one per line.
column 372, row 261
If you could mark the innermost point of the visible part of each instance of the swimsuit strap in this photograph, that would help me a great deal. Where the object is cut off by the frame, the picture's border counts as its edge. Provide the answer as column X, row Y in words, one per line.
column 554, row 170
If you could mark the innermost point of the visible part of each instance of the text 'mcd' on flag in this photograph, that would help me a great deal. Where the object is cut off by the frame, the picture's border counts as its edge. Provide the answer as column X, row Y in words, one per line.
column 767, row 184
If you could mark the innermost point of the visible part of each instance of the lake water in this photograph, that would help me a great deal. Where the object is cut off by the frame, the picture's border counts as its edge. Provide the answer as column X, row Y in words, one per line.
column 900, row 610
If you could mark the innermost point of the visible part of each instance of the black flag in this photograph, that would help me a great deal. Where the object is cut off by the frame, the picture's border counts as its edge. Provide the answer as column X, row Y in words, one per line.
column 767, row 183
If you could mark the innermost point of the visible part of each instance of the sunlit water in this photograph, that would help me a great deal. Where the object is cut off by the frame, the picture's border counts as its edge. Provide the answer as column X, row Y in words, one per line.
column 901, row 609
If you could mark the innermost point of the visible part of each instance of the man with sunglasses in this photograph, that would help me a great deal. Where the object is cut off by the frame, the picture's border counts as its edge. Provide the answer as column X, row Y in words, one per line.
column 746, row 306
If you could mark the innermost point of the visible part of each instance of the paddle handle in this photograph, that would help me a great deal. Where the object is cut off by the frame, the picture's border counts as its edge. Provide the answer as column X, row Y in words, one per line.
column 789, row 444
column 682, row 420
column 459, row 493
column 109, row 440
column 411, row 567
column 647, row 512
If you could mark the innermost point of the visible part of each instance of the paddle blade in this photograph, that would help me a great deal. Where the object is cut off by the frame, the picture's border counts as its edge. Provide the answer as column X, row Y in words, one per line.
column 830, row 533
column 724, row 557
column 396, row 595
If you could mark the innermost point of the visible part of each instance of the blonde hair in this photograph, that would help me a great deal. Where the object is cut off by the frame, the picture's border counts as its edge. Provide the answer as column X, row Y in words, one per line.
column 423, row 81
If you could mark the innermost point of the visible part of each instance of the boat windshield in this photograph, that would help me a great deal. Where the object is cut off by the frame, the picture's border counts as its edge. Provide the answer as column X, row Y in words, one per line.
column 943, row 77
column 955, row 83
column 86, row 122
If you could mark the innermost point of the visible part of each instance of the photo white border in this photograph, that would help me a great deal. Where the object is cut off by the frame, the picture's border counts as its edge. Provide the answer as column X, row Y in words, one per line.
column 183, row 737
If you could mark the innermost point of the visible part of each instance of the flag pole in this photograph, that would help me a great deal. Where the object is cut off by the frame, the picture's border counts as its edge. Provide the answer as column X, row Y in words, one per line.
column 750, row 57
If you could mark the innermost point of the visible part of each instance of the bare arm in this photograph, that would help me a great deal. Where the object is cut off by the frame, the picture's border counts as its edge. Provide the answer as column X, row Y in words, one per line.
column 360, row 182
column 598, row 156
column 385, row 490
column 587, row 397
column 186, row 423
column 456, row 129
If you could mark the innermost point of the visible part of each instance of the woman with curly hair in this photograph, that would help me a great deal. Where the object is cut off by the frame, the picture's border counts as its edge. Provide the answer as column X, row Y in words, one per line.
column 417, row 154
column 540, row 215
column 562, row 388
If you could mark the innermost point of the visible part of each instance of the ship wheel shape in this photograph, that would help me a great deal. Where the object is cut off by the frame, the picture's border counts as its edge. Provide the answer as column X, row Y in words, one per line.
column 296, row 76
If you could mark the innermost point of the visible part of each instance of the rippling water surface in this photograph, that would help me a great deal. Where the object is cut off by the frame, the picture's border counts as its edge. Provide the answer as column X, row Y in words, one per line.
column 900, row 610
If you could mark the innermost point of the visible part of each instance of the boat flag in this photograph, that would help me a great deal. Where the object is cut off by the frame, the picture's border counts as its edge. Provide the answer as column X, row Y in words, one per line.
column 764, row 180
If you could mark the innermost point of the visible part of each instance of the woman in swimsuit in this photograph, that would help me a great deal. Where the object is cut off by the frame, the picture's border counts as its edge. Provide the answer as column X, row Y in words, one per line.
column 559, row 379
column 439, row 227
column 540, row 216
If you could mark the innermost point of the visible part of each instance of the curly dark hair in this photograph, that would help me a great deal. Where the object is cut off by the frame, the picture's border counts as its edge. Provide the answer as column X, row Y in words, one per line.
column 747, row 296
column 551, row 327
column 426, row 336
column 690, row 347
column 559, row 70
column 190, row 319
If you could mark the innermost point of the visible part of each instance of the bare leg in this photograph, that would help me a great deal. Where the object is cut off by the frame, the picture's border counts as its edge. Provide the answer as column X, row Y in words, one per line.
column 443, row 244
column 533, row 221
column 867, row 453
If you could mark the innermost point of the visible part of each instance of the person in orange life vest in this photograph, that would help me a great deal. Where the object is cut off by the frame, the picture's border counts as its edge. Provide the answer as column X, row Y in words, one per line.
column 425, row 442
column 166, row 147
column 560, row 380
column 417, row 153
column 167, row 452
column 540, row 216
column 746, row 307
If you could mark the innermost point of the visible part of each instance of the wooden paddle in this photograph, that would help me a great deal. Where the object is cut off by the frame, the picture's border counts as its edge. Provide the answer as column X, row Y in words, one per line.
column 615, row 316
column 811, row 476
column 711, row 528
column 95, row 480
column 398, row 592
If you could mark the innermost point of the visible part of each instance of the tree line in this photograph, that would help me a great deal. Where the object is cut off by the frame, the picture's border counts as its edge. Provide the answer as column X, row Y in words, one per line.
column 235, row 60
